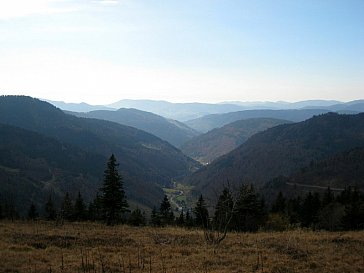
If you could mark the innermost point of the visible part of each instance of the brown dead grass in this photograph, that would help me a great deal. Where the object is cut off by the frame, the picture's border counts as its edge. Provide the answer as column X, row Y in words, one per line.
column 89, row 247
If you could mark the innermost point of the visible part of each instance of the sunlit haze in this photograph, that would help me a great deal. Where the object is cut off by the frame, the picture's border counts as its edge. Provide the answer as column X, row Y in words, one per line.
column 181, row 51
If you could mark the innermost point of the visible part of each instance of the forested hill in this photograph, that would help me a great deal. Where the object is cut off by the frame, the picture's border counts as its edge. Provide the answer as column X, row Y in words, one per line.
column 172, row 131
column 340, row 171
column 147, row 162
column 282, row 150
column 217, row 142
column 33, row 166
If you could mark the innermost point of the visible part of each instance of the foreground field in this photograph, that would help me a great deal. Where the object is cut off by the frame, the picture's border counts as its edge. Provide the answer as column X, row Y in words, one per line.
column 87, row 247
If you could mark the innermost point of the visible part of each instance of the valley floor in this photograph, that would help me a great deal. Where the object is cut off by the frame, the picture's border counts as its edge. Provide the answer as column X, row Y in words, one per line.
column 89, row 247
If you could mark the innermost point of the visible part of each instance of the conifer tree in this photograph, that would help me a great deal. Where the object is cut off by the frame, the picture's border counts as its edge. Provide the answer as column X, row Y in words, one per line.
column 294, row 208
column 224, row 210
column 113, row 197
column 137, row 218
column 181, row 219
column 279, row 205
column 328, row 197
column 95, row 209
column 250, row 211
column 67, row 208
column 79, row 211
column 310, row 209
column 354, row 211
column 201, row 213
column 189, row 219
column 165, row 211
column 154, row 218
column 32, row 213
column 50, row 209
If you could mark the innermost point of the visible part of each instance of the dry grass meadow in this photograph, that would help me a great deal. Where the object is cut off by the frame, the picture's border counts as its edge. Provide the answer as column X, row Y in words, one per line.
column 90, row 247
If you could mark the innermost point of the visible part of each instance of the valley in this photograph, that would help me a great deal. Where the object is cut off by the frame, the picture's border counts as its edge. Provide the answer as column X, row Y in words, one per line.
column 47, row 153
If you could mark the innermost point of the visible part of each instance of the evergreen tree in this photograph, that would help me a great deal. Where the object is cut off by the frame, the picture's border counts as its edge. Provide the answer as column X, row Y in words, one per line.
column 113, row 198
column 154, row 218
column 328, row 197
column 201, row 213
column 224, row 210
column 181, row 219
column 165, row 211
column 294, row 208
column 32, row 213
column 354, row 211
column 345, row 196
column 189, row 219
column 136, row 218
column 330, row 217
column 95, row 209
column 50, row 210
column 67, row 208
column 250, row 211
column 310, row 209
column 9, row 209
column 79, row 211
column 279, row 205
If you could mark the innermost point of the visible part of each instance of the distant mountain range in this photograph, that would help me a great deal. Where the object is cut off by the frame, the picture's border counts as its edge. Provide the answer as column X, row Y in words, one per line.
column 285, row 105
column 178, row 111
column 281, row 150
column 209, row 122
column 173, row 131
column 217, row 142
column 78, row 107
column 189, row 111
column 146, row 162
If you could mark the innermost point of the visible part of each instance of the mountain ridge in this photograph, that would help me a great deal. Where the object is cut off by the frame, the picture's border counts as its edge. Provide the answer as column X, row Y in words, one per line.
column 281, row 150
column 209, row 122
column 219, row 141
column 172, row 131
column 147, row 162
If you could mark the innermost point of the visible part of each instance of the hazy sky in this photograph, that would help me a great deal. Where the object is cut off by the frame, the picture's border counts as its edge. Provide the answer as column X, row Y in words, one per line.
column 191, row 50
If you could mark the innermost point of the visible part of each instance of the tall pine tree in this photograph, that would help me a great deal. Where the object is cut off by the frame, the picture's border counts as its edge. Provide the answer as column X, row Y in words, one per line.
column 32, row 212
column 165, row 211
column 67, row 208
column 50, row 210
column 79, row 208
column 201, row 212
column 224, row 210
column 250, row 210
column 113, row 197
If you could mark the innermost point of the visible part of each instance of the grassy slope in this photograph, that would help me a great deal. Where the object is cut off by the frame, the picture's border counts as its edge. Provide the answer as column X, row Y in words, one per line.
column 84, row 247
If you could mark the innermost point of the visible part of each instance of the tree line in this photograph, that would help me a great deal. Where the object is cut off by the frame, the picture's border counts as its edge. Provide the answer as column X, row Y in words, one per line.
column 244, row 210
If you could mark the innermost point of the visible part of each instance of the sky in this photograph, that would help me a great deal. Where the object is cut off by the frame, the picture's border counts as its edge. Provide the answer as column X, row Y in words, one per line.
column 102, row 51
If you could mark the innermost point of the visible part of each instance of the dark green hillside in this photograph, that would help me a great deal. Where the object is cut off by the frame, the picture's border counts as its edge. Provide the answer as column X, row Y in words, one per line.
column 209, row 122
column 217, row 142
column 33, row 166
column 172, row 131
column 146, row 161
column 337, row 172
column 282, row 150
